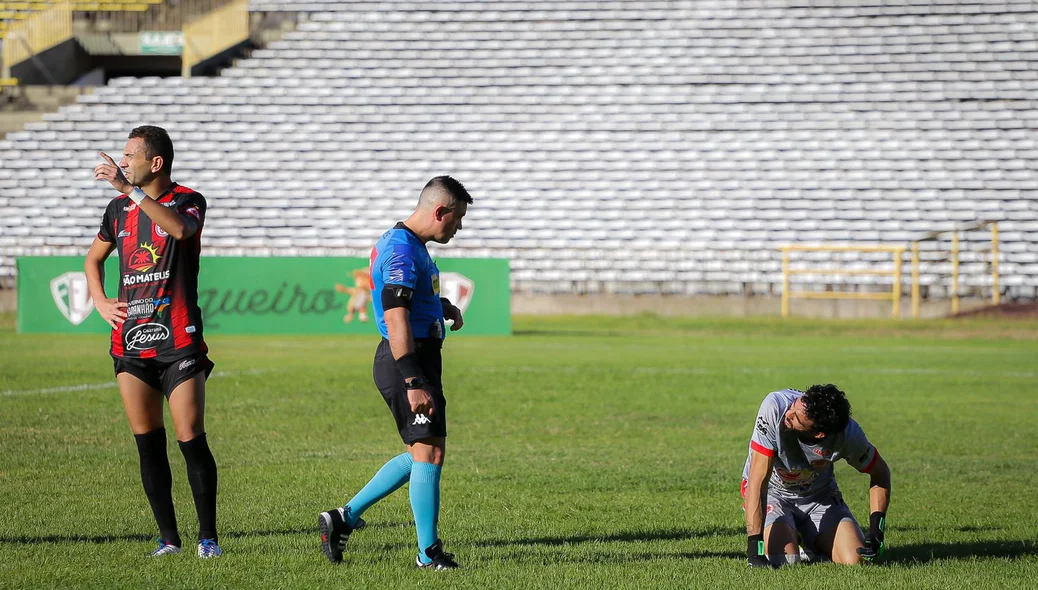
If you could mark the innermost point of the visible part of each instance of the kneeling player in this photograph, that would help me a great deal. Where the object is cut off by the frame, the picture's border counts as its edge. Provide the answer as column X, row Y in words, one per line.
column 791, row 497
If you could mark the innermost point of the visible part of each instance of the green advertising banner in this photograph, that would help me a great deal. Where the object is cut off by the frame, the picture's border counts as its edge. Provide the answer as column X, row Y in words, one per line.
column 264, row 295
column 161, row 42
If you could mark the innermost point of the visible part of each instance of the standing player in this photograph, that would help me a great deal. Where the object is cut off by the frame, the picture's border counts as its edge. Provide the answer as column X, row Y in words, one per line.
column 157, row 343
column 407, row 369
column 788, row 482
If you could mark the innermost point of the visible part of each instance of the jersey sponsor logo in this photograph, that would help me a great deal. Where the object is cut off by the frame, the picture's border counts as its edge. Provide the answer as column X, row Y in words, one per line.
column 762, row 426
column 794, row 476
column 144, row 258
column 159, row 231
column 190, row 329
column 124, row 234
column 420, row 419
column 151, row 277
column 72, row 297
column 145, row 336
column 144, row 308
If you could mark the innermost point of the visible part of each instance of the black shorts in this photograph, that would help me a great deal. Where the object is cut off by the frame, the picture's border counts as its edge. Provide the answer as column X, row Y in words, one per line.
column 164, row 375
column 412, row 427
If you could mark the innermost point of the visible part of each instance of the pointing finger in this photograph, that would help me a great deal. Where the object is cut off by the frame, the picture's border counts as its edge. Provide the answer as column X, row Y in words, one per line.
column 107, row 157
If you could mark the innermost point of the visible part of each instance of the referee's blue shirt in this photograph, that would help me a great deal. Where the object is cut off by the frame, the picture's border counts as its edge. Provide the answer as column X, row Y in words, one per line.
column 400, row 258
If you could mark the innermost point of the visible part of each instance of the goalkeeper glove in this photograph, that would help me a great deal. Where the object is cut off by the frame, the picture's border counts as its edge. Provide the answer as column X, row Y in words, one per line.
column 755, row 556
column 874, row 545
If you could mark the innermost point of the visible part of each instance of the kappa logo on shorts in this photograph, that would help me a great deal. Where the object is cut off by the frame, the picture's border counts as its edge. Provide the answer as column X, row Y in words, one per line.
column 186, row 364
column 420, row 419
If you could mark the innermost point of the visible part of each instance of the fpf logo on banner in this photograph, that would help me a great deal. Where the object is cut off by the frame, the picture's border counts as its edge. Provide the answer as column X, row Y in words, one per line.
column 72, row 296
column 458, row 288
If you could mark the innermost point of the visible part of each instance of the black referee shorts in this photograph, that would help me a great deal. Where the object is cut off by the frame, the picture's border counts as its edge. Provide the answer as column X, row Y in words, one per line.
column 412, row 427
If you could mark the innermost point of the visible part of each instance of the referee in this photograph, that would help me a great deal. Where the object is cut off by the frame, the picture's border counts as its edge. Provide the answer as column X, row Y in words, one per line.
column 410, row 315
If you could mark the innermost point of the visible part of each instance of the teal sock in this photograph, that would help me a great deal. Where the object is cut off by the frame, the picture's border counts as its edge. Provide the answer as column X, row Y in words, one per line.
column 395, row 473
column 425, row 502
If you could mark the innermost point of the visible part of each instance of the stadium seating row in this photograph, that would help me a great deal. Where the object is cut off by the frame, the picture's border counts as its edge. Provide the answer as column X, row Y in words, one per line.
column 634, row 146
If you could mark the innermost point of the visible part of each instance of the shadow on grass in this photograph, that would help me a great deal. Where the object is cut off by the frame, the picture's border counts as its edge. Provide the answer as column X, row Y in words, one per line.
column 624, row 537
column 923, row 553
column 100, row 539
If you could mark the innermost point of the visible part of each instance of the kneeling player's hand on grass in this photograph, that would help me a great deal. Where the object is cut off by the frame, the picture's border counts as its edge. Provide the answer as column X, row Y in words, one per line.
column 755, row 556
column 874, row 545
column 758, row 561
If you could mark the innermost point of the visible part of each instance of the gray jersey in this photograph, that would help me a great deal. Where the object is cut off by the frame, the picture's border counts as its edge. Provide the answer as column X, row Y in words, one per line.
column 800, row 470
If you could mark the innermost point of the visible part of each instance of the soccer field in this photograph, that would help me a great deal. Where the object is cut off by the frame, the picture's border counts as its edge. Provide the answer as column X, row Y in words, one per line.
column 582, row 453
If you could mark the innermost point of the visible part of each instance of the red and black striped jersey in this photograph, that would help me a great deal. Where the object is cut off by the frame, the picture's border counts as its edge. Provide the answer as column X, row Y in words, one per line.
column 158, row 278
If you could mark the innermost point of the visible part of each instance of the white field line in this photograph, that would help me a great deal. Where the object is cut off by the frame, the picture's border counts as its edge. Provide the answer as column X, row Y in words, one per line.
column 111, row 384
column 752, row 370
column 865, row 370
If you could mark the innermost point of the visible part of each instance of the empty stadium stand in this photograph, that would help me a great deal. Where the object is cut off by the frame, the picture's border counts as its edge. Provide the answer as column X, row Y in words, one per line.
column 610, row 145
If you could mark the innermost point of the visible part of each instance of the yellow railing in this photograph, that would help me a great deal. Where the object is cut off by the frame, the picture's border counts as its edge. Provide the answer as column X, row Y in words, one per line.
column 214, row 32
column 954, row 258
column 894, row 295
column 35, row 34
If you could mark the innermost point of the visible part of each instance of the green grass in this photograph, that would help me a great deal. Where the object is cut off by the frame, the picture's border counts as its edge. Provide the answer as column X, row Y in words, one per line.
column 584, row 453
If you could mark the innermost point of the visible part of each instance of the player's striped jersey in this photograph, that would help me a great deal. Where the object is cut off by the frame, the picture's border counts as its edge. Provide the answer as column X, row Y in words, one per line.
column 158, row 278
column 400, row 258
column 801, row 470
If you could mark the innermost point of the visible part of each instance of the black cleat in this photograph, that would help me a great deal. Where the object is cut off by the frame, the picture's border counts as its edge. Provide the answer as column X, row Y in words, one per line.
column 334, row 534
column 440, row 560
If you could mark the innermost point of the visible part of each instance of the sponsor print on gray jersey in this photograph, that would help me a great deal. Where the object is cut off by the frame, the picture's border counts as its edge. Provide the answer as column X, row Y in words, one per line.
column 801, row 470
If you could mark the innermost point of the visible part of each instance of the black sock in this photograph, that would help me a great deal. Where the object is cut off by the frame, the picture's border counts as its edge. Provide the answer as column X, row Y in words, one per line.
column 201, row 472
column 158, row 482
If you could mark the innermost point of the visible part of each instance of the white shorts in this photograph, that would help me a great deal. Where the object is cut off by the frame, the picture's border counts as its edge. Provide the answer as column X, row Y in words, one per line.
column 808, row 518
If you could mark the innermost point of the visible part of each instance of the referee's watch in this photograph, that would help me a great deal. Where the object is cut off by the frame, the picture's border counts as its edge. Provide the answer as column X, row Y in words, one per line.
column 414, row 383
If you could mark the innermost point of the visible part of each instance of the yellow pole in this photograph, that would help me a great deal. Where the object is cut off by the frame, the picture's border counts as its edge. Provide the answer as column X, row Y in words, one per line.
column 895, row 292
column 995, row 296
column 955, row 272
column 915, row 280
column 785, row 283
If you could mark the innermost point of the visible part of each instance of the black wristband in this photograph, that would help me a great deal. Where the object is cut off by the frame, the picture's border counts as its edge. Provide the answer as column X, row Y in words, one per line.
column 408, row 366
column 877, row 522
column 755, row 546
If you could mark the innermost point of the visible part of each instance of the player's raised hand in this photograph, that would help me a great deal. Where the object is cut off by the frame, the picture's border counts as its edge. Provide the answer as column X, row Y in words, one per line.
column 111, row 311
column 112, row 173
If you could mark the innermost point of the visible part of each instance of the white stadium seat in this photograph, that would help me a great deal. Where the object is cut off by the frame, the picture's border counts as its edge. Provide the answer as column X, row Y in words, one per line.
column 631, row 145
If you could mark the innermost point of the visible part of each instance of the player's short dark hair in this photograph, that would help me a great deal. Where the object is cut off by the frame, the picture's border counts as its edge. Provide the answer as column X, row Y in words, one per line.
column 827, row 408
column 157, row 143
column 454, row 188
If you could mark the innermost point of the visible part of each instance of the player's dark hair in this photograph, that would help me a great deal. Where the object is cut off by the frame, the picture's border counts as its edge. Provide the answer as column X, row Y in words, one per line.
column 454, row 188
column 157, row 143
column 827, row 408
